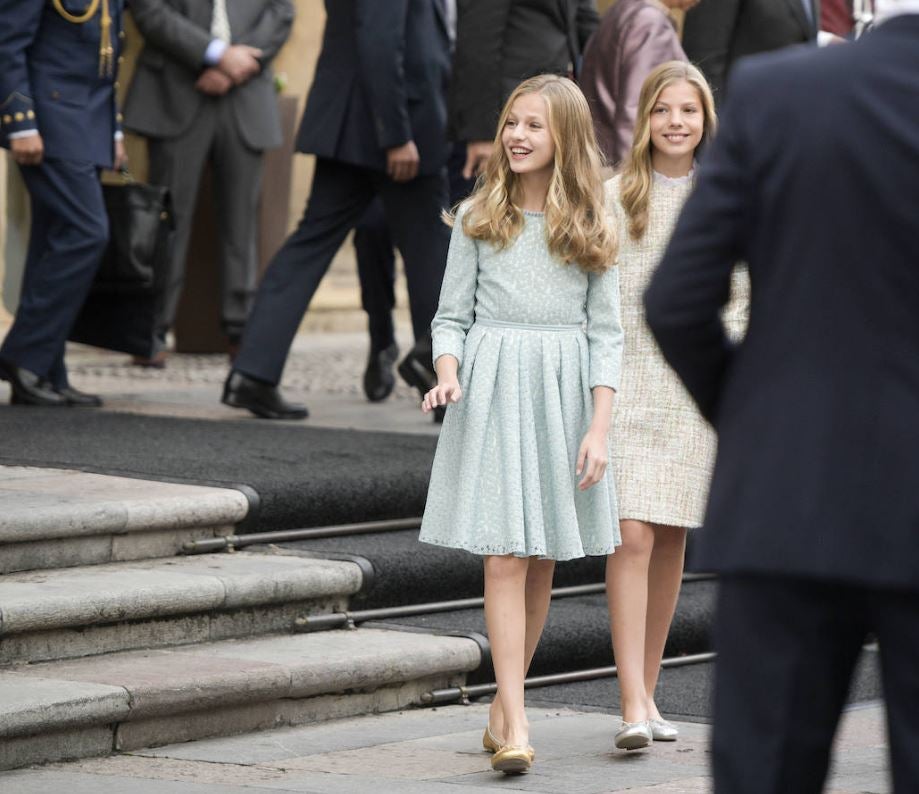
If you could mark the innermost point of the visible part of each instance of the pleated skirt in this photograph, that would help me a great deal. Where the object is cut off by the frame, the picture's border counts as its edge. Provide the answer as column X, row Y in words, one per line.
column 503, row 479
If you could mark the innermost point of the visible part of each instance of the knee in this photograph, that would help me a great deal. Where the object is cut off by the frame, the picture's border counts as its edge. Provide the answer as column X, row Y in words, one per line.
column 505, row 567
column 95, row 235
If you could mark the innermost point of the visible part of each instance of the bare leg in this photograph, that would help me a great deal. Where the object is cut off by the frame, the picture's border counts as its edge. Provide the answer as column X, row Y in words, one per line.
column 665, row 575
column 627, row 596
column 538, row 596
column 505, row 617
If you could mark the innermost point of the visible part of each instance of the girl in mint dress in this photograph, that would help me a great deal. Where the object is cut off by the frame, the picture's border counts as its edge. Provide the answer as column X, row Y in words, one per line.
column 527, row 348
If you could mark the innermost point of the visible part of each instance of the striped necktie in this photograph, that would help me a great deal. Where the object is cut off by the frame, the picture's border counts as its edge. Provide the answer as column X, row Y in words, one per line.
column 220, row 22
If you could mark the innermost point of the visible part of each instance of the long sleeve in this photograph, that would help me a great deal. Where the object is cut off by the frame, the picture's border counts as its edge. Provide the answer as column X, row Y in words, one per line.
column 381, row 56
column 270, row 30
column 456, row 309
column 653, row 41
column 693, row 282
column 475, row 88
column 19, row 23
column 604, row 328
column 173, row 33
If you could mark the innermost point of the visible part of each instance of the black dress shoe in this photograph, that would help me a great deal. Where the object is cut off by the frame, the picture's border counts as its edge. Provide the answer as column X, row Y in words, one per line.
column 29, row 388
column 379, row 380
column 417, row 369
column 263, row 399
column 79, row 399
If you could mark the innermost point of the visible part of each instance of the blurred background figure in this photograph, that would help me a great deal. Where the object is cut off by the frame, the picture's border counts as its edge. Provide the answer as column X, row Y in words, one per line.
column 718, row 32
column 500, row 43
column 204, row 93
column 376, row 264
column 634, row 37
column 812, row 517
column 58, row 66
column 376, row 120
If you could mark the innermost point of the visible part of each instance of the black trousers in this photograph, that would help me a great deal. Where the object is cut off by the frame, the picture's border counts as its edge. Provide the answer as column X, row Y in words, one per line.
column 340, row 196
column 786, row 652
column 66, row 244
column 376, row 265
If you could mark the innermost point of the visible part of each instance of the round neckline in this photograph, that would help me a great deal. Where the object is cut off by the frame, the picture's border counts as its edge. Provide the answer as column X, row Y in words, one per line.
column 663, row 179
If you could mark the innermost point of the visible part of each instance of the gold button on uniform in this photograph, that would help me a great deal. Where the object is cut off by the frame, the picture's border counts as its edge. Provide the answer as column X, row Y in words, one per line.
column 7, row 119
column 30, row 114
column 20, row 117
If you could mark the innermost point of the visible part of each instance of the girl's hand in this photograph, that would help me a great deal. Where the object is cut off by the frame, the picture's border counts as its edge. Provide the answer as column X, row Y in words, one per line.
column 592, row 459
column 446, row 392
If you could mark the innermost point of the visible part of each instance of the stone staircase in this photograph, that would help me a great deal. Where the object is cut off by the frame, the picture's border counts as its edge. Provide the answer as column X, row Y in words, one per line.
column 110, row 642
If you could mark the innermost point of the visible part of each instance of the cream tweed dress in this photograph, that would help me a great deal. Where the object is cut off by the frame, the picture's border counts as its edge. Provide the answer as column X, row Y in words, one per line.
column 532, row 336
column 664, row 450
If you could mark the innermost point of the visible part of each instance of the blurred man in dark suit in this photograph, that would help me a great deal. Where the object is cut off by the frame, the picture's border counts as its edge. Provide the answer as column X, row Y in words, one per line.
column 718, row 32
column 203, row 91
column 58, row 66
column 500, row 43
column 376, row 120
column 813, row 515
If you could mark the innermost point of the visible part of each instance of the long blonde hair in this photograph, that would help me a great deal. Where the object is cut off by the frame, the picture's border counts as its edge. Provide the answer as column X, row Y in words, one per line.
column 577, row 231
column 637, row 173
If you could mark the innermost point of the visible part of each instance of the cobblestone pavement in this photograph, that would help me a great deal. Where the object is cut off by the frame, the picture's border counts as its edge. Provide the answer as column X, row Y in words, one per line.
column 324, row 370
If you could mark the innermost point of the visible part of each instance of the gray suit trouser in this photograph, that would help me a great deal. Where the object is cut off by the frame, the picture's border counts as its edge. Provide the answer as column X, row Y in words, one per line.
column 178, row 163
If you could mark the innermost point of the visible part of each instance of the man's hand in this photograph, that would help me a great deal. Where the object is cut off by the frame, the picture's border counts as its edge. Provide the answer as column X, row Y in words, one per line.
column 27, row 150
column 240, row 62
column 477, row 154
column 121, row 155
column 402, row 162
column 213, row 82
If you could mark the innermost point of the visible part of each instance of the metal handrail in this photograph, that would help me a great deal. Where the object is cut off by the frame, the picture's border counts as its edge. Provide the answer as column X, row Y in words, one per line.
column 464, row 694
column 231, row 542
column 351, row 618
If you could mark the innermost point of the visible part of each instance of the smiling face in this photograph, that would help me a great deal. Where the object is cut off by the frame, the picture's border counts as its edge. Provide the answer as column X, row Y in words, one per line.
column 526, row 139
column 677, row 124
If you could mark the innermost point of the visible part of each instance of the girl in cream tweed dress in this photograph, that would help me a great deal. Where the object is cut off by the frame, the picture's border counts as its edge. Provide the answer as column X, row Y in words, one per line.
column 664, row 450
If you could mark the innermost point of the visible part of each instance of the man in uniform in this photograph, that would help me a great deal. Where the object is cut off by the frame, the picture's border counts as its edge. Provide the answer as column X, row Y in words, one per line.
column 58, row 66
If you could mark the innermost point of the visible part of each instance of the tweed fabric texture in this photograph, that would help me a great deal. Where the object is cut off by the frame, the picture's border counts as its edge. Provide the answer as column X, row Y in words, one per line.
column 533, row 336
column 664, row 451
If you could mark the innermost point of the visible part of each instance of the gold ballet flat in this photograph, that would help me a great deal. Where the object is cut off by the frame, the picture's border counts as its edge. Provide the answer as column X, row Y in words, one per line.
column 512, row 760
column 489, row 741
column 492, row 743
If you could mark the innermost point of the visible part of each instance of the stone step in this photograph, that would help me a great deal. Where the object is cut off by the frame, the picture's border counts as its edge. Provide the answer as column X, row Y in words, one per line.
column 74, row 612
column 124, row 701
column 58, row 518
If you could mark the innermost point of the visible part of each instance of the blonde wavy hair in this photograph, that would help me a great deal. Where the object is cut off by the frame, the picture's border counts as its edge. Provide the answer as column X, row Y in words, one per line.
column 577, row 230
column 637, row 172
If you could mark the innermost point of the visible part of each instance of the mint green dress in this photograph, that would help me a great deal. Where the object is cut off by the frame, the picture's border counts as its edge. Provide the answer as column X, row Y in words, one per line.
column 533, row 336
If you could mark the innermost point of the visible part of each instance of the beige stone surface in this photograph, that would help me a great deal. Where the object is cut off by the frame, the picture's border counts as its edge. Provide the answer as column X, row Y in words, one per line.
column 64, row 503
column 116, row 592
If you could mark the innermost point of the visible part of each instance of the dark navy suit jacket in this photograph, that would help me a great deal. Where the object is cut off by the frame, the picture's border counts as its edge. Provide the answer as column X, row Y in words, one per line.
column 50, row 81
column 813, row 180
column 381, row 81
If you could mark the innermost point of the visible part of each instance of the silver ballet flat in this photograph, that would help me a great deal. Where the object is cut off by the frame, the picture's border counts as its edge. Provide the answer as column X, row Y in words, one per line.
column 663, row 731
column 633, row 735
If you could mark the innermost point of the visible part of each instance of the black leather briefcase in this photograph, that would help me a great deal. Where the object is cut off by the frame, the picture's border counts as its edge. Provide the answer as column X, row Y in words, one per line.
column 120, row 311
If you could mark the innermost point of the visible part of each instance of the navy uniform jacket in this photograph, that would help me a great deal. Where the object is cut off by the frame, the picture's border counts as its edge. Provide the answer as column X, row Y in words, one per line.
column 50, row 78
column 812, row 180
column 381, row 81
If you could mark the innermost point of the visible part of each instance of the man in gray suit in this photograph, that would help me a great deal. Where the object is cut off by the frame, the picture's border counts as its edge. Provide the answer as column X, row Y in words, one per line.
column 203, row 91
